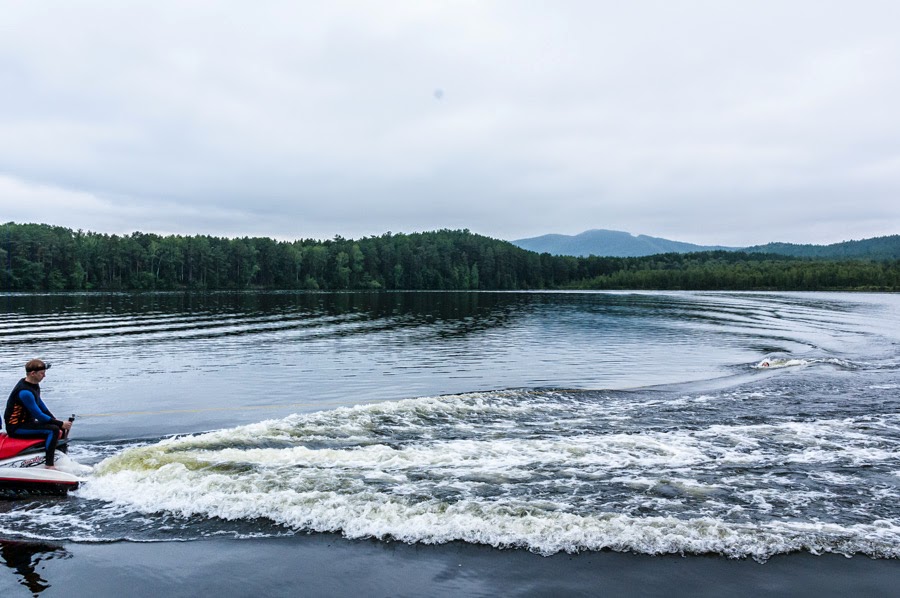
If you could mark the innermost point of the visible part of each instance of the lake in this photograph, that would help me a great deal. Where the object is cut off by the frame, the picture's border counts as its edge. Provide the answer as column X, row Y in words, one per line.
column 738, row 424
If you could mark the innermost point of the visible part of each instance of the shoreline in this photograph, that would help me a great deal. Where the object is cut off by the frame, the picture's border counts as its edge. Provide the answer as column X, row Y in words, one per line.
column 329, row 565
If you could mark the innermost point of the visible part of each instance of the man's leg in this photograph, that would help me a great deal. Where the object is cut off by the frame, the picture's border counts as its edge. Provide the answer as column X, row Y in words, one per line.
column 48, row 431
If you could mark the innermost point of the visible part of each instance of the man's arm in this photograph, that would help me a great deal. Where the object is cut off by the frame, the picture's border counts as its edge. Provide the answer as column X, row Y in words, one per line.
column 40, row 403
column 28, row 399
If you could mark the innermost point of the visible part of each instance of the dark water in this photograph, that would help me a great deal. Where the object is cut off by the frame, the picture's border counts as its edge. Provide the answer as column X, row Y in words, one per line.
column 744, row 425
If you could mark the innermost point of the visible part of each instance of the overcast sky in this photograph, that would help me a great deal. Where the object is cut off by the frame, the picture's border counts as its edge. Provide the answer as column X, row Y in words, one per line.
column 713, row 122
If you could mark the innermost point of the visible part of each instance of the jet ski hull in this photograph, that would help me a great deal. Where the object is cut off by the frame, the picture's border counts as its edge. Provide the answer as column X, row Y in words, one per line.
column 23, row 469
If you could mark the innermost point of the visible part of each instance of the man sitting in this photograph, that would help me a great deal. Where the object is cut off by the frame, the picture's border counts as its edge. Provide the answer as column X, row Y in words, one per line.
column 26, row 416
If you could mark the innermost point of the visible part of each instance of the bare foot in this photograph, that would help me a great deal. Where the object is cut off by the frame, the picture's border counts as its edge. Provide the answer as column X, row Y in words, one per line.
column 49, row 466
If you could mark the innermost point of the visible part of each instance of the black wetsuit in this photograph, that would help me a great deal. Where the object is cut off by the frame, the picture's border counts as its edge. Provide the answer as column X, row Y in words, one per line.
column 26, row 416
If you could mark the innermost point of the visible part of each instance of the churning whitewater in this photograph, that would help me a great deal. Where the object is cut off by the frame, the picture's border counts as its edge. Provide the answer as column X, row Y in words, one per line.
column 647, row 471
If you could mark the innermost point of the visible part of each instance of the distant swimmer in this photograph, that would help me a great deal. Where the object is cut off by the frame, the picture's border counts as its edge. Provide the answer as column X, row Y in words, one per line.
column 765, row 364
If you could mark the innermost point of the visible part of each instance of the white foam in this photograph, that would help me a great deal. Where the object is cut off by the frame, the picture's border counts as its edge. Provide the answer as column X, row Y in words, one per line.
column 365, row 513
column 783, row 362
column 776, row 363
column 346, row 478
column 65, row 463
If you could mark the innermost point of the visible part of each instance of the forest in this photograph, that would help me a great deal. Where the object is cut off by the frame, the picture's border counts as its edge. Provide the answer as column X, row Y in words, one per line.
column 41, row 257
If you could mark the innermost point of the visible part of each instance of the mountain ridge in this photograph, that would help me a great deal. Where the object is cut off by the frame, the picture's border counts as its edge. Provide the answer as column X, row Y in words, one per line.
column 610, row 243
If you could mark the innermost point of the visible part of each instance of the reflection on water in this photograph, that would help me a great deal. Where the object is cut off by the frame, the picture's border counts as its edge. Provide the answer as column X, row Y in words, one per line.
column 199, row 357
column 24, row 557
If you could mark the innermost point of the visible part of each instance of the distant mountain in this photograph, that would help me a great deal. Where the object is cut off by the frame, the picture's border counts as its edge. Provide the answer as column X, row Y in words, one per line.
column 613, row 243
column 610, row 243
column 877, row 248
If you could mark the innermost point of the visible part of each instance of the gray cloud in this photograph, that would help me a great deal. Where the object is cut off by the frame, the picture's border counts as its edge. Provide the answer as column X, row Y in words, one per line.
column 714, row 122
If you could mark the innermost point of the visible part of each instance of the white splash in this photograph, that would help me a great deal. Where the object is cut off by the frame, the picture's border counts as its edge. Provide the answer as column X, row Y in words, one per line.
column 711, row 489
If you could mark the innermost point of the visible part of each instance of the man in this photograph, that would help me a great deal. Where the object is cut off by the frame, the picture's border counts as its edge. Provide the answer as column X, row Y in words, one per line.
column 26, row 416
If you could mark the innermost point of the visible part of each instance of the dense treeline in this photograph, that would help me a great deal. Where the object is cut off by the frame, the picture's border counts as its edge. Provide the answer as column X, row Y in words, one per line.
column 39, row 257
column 43, row 257
column 876, row 248
column 725, row 270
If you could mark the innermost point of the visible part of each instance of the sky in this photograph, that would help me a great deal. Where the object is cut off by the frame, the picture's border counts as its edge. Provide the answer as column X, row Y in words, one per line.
column 707, row 121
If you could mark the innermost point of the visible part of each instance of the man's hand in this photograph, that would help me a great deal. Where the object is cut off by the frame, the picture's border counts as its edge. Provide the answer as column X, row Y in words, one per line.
column 66, row 425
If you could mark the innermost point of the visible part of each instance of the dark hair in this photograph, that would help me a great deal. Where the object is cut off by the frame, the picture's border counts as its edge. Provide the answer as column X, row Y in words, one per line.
column 36, row 365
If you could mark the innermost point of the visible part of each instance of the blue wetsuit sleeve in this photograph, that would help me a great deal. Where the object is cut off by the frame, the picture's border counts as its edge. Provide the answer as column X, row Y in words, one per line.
column 42, row 407
column 28, row 399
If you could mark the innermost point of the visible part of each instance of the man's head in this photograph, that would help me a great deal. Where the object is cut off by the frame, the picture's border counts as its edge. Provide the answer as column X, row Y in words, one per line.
column 35, row 370
column 36, row 365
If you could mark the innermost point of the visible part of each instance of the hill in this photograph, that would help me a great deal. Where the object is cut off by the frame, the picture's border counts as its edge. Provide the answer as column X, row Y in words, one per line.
column 40, row 258
column 610, row 243
column 877, row 248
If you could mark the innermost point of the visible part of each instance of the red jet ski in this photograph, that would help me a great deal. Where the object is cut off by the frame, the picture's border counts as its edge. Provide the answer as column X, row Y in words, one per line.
column 22, row 466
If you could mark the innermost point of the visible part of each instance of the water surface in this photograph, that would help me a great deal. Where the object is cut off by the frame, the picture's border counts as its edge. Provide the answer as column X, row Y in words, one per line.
column 742, row 424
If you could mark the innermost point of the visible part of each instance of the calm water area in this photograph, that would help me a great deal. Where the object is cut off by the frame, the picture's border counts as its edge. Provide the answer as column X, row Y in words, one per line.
column 742, row 425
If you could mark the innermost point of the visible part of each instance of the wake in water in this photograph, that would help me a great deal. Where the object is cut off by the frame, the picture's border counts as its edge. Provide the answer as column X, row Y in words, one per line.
column 807, row 463
column 781, row 360
column 747, row 457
